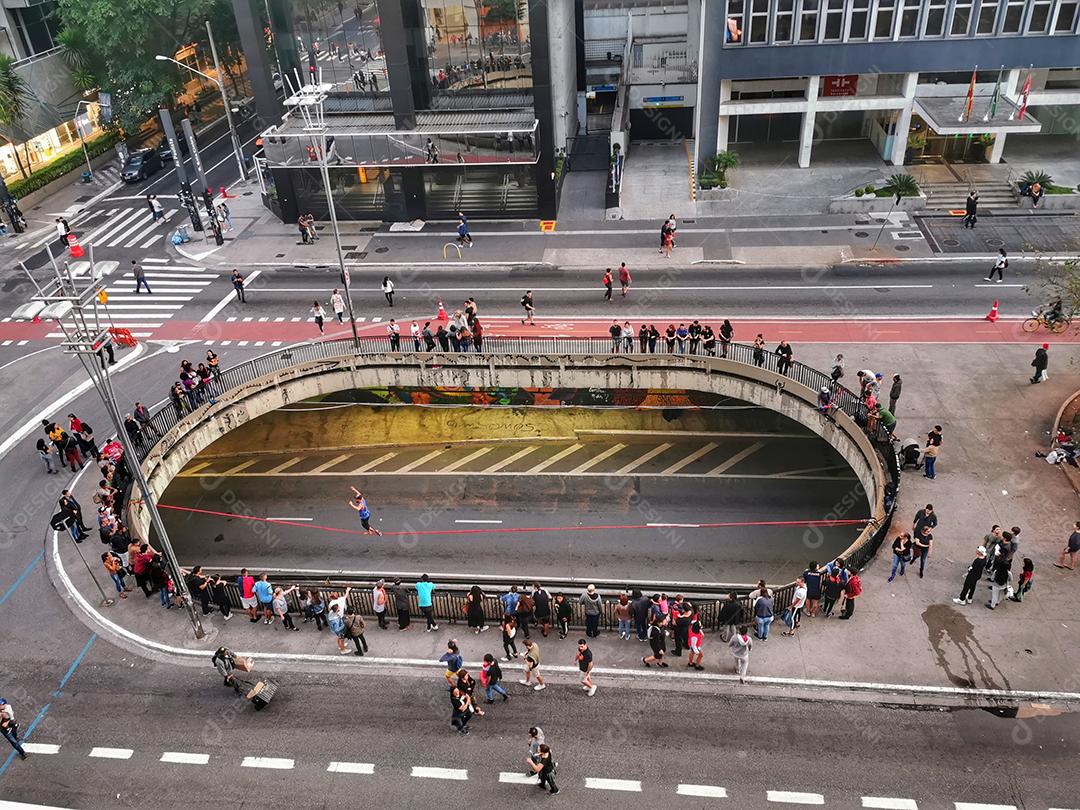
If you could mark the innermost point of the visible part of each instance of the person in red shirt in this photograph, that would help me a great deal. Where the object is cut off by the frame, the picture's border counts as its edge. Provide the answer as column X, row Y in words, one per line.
column 246, row 583
column 624, row 278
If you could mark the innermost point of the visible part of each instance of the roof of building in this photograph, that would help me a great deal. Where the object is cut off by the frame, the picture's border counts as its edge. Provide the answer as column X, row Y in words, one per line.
column 945, row 115
column 432, row 121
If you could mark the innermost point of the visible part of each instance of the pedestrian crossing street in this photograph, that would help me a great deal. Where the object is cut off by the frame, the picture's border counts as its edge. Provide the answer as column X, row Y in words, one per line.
column 132, row 227
column 173, row 285
column 566, row 781
column 593, row 453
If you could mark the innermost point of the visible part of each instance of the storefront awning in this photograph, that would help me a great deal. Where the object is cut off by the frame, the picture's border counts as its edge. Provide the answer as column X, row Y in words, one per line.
column 945, row 115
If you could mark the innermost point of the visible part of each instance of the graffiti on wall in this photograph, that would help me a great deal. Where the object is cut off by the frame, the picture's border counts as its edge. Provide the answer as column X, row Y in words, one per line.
column 533, row 397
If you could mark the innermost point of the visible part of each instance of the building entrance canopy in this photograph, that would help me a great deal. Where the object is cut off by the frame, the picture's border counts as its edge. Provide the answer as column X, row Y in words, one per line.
column 945, row 115
column 440, row 138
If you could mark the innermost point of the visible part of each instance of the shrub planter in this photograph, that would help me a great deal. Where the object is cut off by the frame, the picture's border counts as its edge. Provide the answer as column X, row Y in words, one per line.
column 717, row 194
column 1050, row 202
column 868, row 203
column 27, row 202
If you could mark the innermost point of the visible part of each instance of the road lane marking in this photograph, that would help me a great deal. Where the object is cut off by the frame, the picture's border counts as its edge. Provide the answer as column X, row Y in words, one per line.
column 282, row 467
column 243, row 465
column 371, row 465
column 516, row 778
column 704, row 791
column 229, row 296
column 182, row 758
column 506, row 462
column 566, row 451
column 477, row 521
column 592, row 462
column 111, row 753
column 625, row 785
column 643, row 459
column 807, row 470
column 327, row 465
column 41, row 748
column 351, row 767
column 889, row 803
column 274, row 763
column 293, row 519
column 459, row 774
column 673, row 525
column 424, row 459
column 466, row 459
column 980, row 806
column 690, row 459
column 792, row 797
column 735, row 459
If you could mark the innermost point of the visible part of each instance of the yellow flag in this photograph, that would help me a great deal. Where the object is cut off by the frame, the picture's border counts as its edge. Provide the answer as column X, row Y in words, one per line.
column 103, row 297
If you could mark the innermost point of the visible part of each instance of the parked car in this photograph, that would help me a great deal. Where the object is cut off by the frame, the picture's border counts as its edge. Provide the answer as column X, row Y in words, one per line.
column 141, row 163
column 165, row 153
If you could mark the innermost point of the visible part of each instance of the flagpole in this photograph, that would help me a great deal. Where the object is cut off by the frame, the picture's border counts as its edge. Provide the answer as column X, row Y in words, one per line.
column 991, row 111
column 966, row 114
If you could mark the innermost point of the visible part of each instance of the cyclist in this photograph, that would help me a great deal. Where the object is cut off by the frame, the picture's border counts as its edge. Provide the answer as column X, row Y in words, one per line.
column 1054, row 312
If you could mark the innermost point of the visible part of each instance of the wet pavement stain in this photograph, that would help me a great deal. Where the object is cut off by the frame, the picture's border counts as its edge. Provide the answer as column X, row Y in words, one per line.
column 950, row 630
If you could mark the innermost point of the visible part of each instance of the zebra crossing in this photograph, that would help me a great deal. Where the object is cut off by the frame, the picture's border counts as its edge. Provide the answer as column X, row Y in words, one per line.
column 173, row 286
column 112, row 227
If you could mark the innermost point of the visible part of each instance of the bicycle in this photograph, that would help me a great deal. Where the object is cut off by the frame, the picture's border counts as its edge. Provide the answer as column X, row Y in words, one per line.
column 1056, row 325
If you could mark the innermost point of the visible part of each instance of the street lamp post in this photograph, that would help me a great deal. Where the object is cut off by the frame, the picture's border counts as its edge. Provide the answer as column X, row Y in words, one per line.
column 324, row 167
column 64, row 301
column 82, row 140
column 234, row 137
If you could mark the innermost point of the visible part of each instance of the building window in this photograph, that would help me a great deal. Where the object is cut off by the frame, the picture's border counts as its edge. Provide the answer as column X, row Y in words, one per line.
column 808, row 21
column 758, row 22
column 961, row 20
column 1039, row 22
column 1014, row 17
column 785, row 14
column 834, row 20
column 883, row 20
column 37, row 26
column 909, row 19
column 860, row 18
column 988, row 13
column 935, row 18
column 1066, row 19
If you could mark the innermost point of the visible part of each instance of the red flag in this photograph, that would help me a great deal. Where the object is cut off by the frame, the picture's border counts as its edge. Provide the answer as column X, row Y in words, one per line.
column 1024, row 96
column 970, row 96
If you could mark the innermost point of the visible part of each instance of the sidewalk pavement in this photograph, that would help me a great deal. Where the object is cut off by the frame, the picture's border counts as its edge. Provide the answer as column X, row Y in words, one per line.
column 904, row 632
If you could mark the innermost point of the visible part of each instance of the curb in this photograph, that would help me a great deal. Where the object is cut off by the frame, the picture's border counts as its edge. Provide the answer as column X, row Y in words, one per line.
column 966, row 257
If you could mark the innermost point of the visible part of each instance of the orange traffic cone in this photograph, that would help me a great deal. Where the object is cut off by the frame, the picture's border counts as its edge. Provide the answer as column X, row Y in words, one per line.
column 441, row 315
column 992, row 315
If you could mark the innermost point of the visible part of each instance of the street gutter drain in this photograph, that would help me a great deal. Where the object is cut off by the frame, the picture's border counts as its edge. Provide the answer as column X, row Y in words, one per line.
column 861, row 234
column 382, row 250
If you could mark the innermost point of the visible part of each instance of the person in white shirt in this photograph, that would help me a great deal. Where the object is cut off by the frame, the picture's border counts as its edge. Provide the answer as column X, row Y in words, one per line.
column 393, row 331
column 337, row 303
column 414, row 330
column 339, row 601
column 388, row 290
column 320, row 316
column 794, row 613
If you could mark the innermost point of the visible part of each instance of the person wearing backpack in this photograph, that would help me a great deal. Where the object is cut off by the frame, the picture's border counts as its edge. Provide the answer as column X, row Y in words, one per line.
column 524, row 613
column 852, row 591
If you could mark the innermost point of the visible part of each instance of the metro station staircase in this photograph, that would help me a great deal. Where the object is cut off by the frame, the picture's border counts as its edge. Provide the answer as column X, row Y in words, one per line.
column 993, row 195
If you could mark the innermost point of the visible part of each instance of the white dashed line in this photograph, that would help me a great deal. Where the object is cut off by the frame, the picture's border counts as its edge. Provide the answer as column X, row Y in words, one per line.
column 625, row 785
column 41, row 748
column 440, row 773
column 111, row 753
column 516, row 778
column 979, row 806
column 791, row 797
column 351, row 767
column 182, row 758
column 275, row 763
column 704, row 791
column 889, row 803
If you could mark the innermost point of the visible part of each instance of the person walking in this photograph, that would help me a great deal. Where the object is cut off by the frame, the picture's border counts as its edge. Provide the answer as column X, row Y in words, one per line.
column 1001, row 264
column 379, row 602
column 740, row 646
column 1072, row 548
column 532, row 666
column 62, row 231
column 657, row 643
column 696, row 637
column 115, row 568
column 359, row 505
column 320, row 316
column 238, row 285
column 607, row 285
column 544, row 768
column 669, row 245
column 453, row 661
column 474, row 610
column 491, row 679
column 564, row 611
column 894, row 392
column 463, row 235
column 139, row 275
column 157, row 210
column 337, row 303
column 971, row 209
column 424, row 589
column 401, row 605
column 593, row 604
column 354, row 629
column 388, row 290
column 972, row 577
column 508, row 626
column 460, row 711
column 923, row 545
column 901, row 549
column 529, row 307
column 1041, row 361
column 624, row 279
column 10, row 729
column 1023, row 581
column 585, row 665
column 930, row 457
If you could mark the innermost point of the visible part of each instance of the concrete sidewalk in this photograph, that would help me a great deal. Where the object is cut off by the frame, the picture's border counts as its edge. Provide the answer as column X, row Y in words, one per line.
column 905, row 632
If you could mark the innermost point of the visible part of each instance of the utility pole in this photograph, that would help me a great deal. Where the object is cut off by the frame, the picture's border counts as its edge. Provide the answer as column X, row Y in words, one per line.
column 237, row 149
column 65, row 302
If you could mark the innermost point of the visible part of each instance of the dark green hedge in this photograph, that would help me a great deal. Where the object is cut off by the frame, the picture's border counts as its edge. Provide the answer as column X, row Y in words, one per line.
column 61, row 166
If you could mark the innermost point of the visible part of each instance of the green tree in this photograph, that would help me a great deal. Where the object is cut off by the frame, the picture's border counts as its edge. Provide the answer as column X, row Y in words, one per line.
column 903, row 184
column 119, row 40
column 1058, row 280
column 500, row 10
column 14, row 92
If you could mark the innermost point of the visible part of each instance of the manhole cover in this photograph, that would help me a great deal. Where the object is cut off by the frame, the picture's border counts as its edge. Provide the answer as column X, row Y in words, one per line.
column 279, row 255
column 861, row 234
column 995, row 243
column 950, row 242
column 348, row 247
column 382, row 250
column 247, row 193
column 901, row 248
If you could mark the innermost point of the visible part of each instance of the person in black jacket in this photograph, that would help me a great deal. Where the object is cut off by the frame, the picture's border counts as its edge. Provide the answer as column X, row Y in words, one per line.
column 731, row 612
column 564, row 611
column 974, row 574
column 658, row 644
column 490, row 678
column 640, row 610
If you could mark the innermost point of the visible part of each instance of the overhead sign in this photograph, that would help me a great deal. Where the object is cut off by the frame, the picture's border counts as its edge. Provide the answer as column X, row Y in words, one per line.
column 840, row 85
column 602, row 88
column 663, row 101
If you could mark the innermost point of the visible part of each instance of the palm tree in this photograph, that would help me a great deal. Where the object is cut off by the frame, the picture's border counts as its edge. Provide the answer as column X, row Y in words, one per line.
column 903, row 184
column 14, row 91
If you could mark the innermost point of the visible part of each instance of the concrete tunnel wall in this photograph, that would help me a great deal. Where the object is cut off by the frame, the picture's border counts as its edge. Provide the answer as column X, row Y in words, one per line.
column 244, row 403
